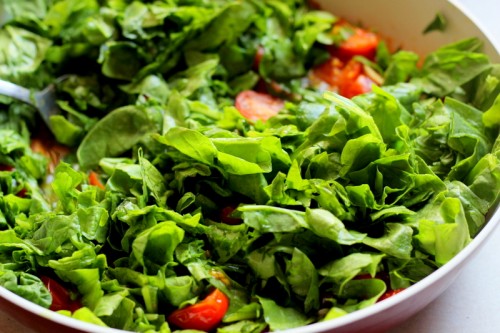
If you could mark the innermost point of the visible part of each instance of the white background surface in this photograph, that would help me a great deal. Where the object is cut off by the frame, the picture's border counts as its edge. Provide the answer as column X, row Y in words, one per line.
column 487, row 12
column 472, row 303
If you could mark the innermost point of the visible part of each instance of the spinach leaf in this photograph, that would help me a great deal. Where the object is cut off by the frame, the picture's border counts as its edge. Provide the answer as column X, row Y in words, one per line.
column 450, row 67
column 116, row 133
column 280, row 318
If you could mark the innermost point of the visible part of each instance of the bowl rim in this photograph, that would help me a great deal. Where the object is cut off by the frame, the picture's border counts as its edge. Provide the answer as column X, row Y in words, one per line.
column 495, row 42
column 470, row 250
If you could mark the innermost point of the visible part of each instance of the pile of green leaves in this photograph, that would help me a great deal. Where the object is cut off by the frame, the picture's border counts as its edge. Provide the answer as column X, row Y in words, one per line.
column 394, row 182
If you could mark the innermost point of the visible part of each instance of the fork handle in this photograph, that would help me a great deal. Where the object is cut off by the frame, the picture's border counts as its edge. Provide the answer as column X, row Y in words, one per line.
column 15, row 91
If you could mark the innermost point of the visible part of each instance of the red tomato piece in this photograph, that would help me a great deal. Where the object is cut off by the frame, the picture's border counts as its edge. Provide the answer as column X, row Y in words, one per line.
column 353, row 81
column 363, row 277
column 351, row 71
column 380, row 275
column 257, row 106
column 258, row 57
column 226, row 216
column 330, row 72
column 4, row 167
column 313, row 4
column 360, row 43
column 349, row 80
column 22, row 193
column 204, row 315
column 390, row 293
column 94, row 180
column 61, row 299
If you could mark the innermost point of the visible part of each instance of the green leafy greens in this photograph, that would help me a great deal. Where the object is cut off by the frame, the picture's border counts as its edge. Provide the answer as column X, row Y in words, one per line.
column 389, row 185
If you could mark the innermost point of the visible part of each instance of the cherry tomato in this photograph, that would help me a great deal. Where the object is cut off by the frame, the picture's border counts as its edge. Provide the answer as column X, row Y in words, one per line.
column 22, row 193
column 4, row 167
column 257, row 106
column 361, row 85
column 330, row 72
column 61, row 299
column 94, row 180
column 204, row 315
column 390, row 293
column 360, row 43
column 353, row 81
column 227, row 218
column 349, row 80
column 258, row 57
column 313, row 4
column 380, row 275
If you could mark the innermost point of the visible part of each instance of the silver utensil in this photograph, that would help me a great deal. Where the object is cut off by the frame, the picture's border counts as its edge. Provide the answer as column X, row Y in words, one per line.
column 44, row 100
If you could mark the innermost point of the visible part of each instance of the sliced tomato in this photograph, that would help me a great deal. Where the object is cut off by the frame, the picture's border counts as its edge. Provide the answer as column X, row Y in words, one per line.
column 204, row 315
column 258, row 106
column 61, row 298
column 390, row 293
column 94, row 180
column 361, row 43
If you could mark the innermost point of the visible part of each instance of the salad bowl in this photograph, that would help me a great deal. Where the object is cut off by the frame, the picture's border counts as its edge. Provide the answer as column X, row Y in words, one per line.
column 401, row 23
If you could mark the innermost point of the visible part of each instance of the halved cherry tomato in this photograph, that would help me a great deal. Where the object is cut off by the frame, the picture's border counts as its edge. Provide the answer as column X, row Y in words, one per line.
column 257, row 106
column 204, row 315
column 61, row 299
column 330, row 72
column 353, row 81
column 390, row 293
column 349, row 80
column 94, row 180
column 225, row 216
column 361, row 85
column 360, row 43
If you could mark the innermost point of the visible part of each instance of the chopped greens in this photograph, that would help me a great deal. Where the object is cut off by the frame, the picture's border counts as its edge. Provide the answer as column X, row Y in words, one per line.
column 439, row 23
column 156, row 189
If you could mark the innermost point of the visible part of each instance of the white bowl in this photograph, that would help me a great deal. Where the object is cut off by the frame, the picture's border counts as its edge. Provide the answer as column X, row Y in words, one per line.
column 402, row 22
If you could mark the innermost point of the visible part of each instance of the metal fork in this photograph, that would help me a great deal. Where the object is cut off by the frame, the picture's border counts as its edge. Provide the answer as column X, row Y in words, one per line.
column 44, row 100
